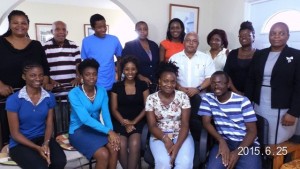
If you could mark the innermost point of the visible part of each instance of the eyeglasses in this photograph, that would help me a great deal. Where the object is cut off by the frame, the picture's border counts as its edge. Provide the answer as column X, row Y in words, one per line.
column 191, row 41
column 218, row 83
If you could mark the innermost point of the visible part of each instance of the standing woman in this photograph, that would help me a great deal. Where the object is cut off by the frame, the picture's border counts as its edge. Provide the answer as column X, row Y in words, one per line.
column 174, row 42
column 168, row 114
column 217, row 40
column 30, row 117
column 146, row 51
column 274, row 84
column 15, row 48
column 128, row 99
column 88, row 134
column 238, row 61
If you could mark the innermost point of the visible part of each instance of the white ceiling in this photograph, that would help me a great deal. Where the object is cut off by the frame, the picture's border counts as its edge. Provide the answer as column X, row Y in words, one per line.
column 107, row 4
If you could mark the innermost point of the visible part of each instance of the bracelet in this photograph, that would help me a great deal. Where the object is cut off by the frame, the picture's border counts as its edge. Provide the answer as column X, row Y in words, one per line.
column 162, row 139
column 46, row 142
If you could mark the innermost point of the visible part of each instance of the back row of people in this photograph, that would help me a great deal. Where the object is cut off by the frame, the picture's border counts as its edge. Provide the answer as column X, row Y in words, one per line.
column 17, row 39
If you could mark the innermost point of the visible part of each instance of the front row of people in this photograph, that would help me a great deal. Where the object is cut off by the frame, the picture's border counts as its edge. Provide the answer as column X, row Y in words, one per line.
column 30, row 115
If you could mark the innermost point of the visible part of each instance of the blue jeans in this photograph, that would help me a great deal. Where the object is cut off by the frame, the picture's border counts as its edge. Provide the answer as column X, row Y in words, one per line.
column 184, row 159
column 246, row 161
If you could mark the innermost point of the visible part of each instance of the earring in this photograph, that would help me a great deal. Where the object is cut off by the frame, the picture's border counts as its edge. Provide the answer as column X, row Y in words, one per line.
column 81, row 81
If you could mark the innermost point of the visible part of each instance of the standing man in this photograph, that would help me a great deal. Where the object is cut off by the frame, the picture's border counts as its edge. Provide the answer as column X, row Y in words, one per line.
column 102, row 47
column 63, row 57
column 235, row 126
column 195, row 69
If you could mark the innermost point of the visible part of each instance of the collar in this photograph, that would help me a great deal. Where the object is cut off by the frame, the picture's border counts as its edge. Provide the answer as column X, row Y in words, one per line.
column 23, row 94
column 66, row 42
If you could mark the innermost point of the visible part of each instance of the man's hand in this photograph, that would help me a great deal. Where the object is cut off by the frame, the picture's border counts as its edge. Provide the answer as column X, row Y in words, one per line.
column 224, row 152
column 5, row 90
column 192, row 91
column 76, row 81
column 233, row 158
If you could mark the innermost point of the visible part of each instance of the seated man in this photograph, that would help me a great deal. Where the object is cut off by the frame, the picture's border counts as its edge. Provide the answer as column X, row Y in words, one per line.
column 235, row 123
column 195, row 69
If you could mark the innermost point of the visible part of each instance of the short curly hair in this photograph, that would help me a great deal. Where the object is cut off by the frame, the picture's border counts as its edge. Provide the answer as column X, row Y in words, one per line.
column 221, row 33
column 129, row 58
column 88, row 63
column 167, row 67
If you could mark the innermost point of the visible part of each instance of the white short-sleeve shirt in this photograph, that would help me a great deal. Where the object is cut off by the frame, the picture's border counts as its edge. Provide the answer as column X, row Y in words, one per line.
column 193, row 71
column 220, row 59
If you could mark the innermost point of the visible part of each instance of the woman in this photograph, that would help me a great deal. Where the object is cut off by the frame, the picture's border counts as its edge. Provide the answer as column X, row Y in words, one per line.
column 146, row 51
column 217, row 40
column 174, row 42
column 128, row 99
column 30, row 117
column 168, row 114
column 89, row 135
column 274, row 83
column 238, row 60
column 15, row 48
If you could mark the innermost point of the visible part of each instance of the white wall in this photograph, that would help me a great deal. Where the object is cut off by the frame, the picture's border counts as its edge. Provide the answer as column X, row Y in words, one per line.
column 225, row 14
column 75, row 17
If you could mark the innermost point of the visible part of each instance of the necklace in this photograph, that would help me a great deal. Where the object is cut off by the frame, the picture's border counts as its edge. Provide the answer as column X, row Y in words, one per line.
column 90, row 98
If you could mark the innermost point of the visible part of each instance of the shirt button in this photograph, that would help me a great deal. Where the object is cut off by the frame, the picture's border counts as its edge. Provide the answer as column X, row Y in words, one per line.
column 150, row 65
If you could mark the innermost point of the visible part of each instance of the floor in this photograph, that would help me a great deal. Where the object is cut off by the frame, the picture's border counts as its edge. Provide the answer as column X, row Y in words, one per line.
column 75, row 164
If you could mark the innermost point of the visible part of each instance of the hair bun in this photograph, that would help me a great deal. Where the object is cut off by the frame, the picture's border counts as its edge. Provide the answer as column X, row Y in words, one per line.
column 247, row 25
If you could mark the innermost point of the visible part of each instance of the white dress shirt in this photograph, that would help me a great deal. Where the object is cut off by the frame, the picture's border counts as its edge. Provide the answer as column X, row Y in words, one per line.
column 193, row 71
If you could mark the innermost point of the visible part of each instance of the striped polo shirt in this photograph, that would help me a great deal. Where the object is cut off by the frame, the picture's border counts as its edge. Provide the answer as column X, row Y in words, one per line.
column 62, row 60
column 230, row 116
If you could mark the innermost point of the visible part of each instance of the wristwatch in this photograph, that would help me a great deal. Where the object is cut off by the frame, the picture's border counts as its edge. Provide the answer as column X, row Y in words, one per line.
column 199, row 88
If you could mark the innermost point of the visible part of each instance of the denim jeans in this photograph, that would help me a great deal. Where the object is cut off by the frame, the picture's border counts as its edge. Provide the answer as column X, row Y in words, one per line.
column 245, row 161
column 184, row 159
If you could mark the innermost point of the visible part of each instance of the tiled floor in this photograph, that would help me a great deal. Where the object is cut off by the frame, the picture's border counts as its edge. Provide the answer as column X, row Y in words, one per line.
column 76, row 163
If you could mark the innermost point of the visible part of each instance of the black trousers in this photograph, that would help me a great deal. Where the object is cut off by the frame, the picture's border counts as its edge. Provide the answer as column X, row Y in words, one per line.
column 195, row 120
column 4, row 126
column 28, row 158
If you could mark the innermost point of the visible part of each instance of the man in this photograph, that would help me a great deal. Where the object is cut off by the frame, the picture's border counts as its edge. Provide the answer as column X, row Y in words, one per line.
column 235, row 126
column 195, row 69
column 102, row 47
column 63, row 57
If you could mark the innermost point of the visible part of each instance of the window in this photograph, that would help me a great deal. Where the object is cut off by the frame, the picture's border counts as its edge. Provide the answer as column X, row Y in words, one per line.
column 289, row 17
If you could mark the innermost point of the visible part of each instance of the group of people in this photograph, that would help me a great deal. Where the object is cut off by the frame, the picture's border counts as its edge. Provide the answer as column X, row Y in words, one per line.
column 173, row 87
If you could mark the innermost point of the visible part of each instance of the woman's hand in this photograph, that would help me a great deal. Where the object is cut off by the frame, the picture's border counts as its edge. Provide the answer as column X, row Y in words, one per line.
column 45, row 152
column 129, row 128
column 173, row 153
column 168, row 142
column 5, row 90
column 114, row 140
column 145, row 79
column 288, row 120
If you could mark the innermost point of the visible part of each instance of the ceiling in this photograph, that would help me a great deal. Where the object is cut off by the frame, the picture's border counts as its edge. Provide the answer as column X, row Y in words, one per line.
column 107, row 4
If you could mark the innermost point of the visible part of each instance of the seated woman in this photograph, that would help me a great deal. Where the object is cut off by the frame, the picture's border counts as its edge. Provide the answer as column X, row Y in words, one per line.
column 128, row 99
column 168, row 114
column 87, row 133
column 30, row 117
